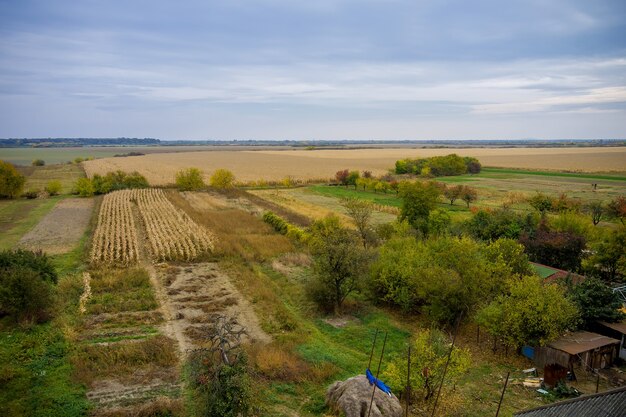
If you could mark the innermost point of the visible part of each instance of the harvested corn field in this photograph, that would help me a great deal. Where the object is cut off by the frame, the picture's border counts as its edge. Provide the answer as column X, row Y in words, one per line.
column 171, row 233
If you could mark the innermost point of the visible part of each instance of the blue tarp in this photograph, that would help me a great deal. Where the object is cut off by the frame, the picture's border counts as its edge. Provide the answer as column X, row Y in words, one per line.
column 380, row 384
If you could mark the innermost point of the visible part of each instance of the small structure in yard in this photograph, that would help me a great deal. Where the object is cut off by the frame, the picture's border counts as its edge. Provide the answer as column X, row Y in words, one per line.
column 605, row 404
column 585, row 349
column 550, row 274
column 616, row 331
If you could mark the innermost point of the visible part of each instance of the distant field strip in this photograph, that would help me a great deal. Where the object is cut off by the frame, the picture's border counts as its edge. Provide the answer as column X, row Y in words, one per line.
column 171, row 233
column 552, row 174
column 160, row 169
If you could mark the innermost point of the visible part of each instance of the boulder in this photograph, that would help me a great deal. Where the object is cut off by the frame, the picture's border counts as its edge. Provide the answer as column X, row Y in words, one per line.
column 353, row 396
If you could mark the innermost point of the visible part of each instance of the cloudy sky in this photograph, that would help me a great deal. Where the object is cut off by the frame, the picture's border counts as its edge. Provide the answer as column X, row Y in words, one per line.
column 313, row 69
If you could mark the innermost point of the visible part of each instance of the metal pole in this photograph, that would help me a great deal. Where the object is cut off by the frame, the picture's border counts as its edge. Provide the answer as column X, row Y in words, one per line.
column 445, row 369
column 502, row 395
column 372, row 352
column 377, row 373
column 408, row 382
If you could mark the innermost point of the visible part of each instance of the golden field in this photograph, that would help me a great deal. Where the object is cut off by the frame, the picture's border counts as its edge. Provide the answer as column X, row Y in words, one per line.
column 274, row 165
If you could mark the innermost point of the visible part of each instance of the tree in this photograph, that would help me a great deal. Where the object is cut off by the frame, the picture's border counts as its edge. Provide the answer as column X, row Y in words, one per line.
column 558, row 249
column 473, row 165
column 222, row 179
column 492, row 225
column 617, row 208
column 511, row 253
column 340, row 263
column 38, row 162
column 11, row 181
column 529, row 314
column 452, row 193
column 608, row 257
column 596, row 210
column 429, row 355
column 418, row 199
column 342, row 176
column 189, row 179
column 438, row 222
column 84, row 187
column 469, row 195
column 596, row 302
column 53, row 187
column 360, row 211
column 352, row 178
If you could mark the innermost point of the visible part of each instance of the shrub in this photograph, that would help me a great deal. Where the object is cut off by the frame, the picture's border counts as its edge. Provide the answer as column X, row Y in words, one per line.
column 11, row 181
column 38, row 162
column 118, row 180
column 222, row 179
column 189, row 179
column 31, row 194
column 284, row 227
column 26, row 285
column 37, row 261
column 84, row 187
column 53, row 187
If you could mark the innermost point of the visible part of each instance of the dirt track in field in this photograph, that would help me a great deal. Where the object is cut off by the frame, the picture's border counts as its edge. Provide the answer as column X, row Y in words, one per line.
column 61, row 229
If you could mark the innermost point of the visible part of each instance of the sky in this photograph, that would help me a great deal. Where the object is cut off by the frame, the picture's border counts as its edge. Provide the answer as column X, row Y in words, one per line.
column 313, row 69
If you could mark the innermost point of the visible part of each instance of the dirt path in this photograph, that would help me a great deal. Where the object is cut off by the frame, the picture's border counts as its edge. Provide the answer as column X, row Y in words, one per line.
column 61, row 229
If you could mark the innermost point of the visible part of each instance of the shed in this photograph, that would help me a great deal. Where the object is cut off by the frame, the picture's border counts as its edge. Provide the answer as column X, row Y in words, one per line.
column 604, row 404
column 614, row 330
column 590, row 350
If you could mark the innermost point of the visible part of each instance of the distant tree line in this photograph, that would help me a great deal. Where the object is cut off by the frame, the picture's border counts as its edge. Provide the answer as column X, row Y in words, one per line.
column 438, row 166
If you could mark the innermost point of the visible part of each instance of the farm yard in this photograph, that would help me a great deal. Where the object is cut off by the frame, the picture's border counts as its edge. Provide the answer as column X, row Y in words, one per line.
column 148, row 275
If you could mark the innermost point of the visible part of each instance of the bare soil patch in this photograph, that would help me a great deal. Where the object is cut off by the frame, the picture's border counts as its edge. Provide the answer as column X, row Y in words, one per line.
column 61, row 229
column 197, row 295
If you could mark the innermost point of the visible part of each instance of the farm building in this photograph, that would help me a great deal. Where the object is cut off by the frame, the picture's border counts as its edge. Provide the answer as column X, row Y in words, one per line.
column 604, row 404
column 580, row 349
column 550, row 274
column 616, row 331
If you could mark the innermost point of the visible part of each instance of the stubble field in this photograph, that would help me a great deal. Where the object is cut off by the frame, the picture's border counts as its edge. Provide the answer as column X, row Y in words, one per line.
column 275, row 165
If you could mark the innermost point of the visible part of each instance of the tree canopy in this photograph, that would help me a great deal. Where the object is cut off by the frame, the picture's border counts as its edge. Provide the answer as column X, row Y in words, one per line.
column 11, row 181
column 189, row 179
column 418, row 200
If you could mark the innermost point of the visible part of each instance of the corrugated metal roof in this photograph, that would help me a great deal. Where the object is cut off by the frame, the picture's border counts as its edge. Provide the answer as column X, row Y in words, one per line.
column 619, row 326
column 604, row 404
column 575, row 343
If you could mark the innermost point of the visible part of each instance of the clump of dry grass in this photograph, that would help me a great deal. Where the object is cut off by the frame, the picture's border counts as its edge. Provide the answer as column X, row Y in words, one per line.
column 122, row 360
column 160, row 406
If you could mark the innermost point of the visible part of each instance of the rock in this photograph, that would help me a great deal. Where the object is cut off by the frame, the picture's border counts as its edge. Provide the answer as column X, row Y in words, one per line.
column 353, row 396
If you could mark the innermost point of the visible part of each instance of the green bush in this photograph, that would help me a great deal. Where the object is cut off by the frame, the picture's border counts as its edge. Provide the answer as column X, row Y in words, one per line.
column 38, row 163
column 189, row 179
column 219, row 390
column 53, row 187
column 283, row 227
column 37, row 261
column 84, row 187
column 26, row 285
column 118, row 180
column 438, row 166
column 11, row 181
column 222, row 179
column 31, row 194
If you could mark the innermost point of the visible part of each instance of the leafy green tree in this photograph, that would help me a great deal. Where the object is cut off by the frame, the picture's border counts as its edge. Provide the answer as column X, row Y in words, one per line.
column 608, row 257
column 189, row 179
column 440, row 277
column 429, row 355
column 352, row 178
column 438, row 222
column 511, row 253
column 492, row 225
column 340, row 263
column 473, row 165
column 53, row 187
column 222, row 179
column 84, row 187
column 360, row 211
column 596, row 302
column 11, row 181
column 529, row 314
column 418, row 200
